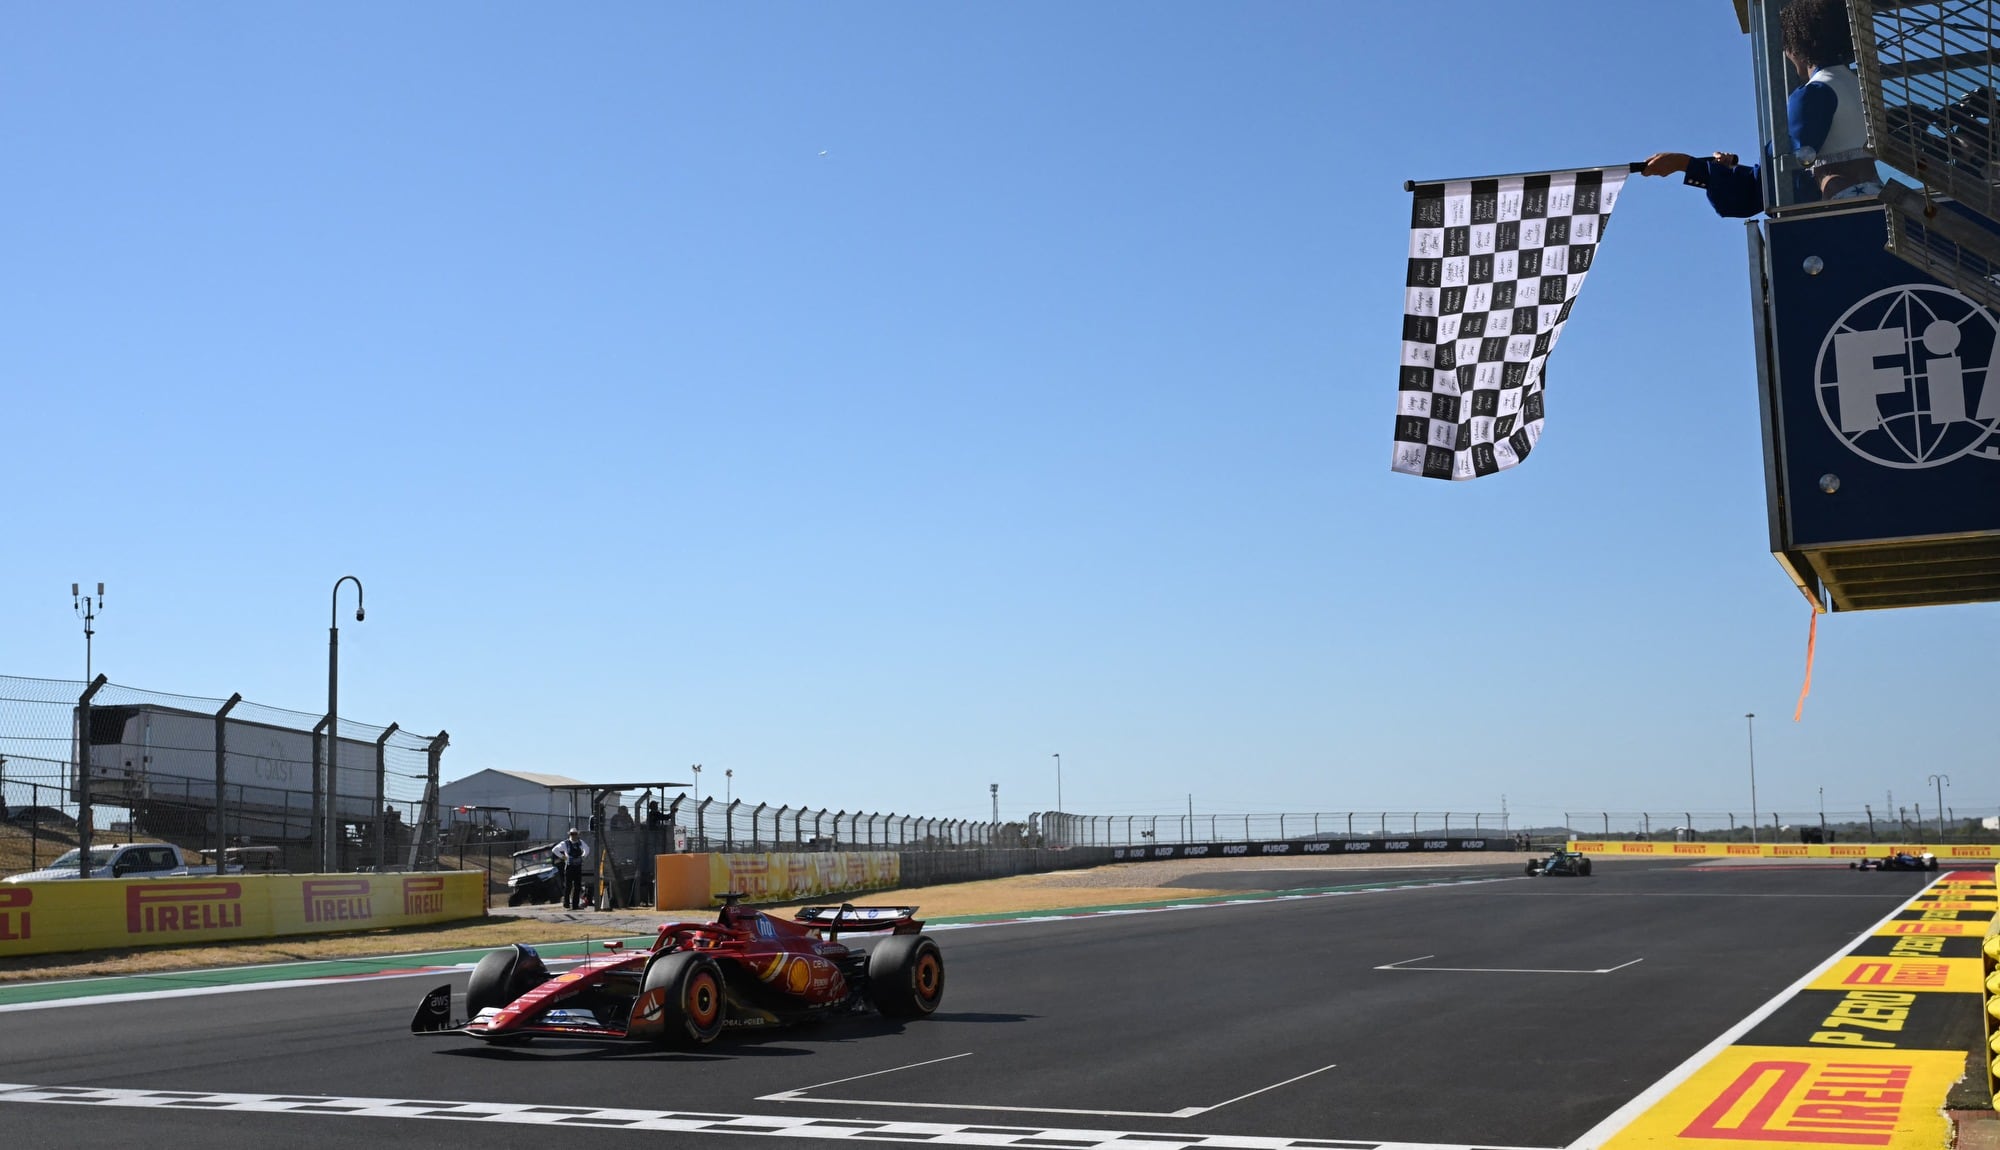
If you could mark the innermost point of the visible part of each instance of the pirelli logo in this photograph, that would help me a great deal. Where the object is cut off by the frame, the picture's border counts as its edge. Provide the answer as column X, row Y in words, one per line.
column 1838, row 1104
column 338, row 899
column 14, row 904
column 1918, row 926
column 157, row 907
column 423, row 894
column 1915, row 975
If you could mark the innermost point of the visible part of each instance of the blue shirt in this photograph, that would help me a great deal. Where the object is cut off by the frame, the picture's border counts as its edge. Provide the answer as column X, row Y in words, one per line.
column 1738, row 191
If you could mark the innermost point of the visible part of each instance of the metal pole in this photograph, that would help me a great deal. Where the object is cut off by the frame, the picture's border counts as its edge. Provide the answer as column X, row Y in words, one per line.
column 80, row 600
column 381, row 799
column 83, row 820
column 333, row 710
column 316, row 834
column 1750, row 720
column 221, row 767
column 1939, row 781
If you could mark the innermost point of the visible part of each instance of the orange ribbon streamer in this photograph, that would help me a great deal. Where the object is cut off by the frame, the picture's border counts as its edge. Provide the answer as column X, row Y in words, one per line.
column 1812, row 639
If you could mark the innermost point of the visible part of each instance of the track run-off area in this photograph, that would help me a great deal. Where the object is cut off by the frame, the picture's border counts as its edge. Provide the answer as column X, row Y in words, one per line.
column 1655, row 1002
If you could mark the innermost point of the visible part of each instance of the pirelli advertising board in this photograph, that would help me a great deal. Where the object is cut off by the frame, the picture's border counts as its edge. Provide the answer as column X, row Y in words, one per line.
column 100, row 914
column 1849, row 851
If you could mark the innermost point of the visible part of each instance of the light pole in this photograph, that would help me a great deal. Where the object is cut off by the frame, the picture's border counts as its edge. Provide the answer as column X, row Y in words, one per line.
column 1939, row 781
column 728, row 788
column 1058, row 759
column 697, row 782
column 1751, row 720
column 333, row 709
column 80, row 601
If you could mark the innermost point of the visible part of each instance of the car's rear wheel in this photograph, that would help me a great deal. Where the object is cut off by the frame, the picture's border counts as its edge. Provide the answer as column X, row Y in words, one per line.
column 1583, row 868
column 906, row 976
column 694, row 1009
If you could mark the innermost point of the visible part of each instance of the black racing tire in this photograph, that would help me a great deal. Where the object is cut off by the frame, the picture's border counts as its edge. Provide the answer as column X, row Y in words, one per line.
column 1583, row 868
column 1534, row 867
column 696, row 1004
column 906, row 976
column 503, row 976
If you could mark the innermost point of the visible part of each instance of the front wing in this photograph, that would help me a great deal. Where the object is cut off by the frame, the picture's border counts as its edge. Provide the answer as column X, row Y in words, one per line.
column 434, row 1016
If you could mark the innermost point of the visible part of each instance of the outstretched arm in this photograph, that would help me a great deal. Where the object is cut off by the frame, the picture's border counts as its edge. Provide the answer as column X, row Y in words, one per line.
column 1734, row 189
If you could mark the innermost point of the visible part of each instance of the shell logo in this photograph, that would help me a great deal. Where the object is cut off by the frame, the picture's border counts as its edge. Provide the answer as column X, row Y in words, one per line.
column 798, row 976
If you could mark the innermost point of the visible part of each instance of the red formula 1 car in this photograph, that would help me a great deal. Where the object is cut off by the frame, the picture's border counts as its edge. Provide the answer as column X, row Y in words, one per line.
column 745, row 969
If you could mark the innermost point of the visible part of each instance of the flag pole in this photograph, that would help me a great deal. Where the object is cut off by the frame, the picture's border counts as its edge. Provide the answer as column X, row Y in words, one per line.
column 1413, row 185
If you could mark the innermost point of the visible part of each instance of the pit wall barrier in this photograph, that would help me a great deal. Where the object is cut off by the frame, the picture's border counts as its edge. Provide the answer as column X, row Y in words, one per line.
column 106, row 913
column 1849, row 851
column 690, row 881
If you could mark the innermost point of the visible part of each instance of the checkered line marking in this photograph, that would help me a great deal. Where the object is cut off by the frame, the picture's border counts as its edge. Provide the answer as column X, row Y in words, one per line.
column 1495, row 266
column 522, row 1114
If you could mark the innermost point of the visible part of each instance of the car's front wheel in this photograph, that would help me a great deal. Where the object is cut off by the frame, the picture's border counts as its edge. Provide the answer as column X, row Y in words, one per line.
column 691, row 1004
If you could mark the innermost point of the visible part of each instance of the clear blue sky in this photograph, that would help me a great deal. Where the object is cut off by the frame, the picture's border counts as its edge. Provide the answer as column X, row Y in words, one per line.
column 877, row 399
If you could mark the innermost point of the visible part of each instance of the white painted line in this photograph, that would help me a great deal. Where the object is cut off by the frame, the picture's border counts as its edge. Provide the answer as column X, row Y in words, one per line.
column 1272, row 1086
column 1184, row 1112
column 319, row 1106
column 785, row 1096
column 1404, row 965
column 1622, row 1117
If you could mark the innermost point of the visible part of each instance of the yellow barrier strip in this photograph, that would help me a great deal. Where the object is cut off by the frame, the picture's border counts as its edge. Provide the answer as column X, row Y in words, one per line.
column 98, row 914
column 1989, row 1001
column 1848, row 851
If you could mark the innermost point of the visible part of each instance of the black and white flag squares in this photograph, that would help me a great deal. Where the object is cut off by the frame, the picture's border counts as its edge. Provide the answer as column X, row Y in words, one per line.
column 1495, row 266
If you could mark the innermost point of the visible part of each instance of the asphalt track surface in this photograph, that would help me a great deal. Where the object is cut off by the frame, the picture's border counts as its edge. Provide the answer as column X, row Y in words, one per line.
column 1512, row 1012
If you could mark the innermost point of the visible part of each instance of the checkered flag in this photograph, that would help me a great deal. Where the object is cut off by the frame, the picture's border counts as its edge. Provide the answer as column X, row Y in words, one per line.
column 1495, row 266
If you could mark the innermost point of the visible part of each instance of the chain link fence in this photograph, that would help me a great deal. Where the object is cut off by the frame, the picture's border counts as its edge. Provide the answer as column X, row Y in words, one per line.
column 106, row 761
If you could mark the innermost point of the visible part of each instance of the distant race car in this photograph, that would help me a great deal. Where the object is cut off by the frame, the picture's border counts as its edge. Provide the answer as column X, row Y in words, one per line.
column 745, row 969
column 1899, row 860
column 1560, row 862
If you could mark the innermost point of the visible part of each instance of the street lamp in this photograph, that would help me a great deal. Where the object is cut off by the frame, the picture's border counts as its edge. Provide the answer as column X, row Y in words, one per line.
column 1751, row 720
column 1939, row 781
column 333, row 708
column 1058, row 759
column 697, row 782
column 728, row 790
column 80, row 601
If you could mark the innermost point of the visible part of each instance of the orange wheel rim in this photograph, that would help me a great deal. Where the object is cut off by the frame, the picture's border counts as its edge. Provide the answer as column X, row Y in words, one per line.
column 927, row 975
column 704, row 1001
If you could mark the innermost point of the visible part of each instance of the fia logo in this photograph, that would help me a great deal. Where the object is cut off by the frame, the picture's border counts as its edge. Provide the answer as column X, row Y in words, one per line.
column 1906, row 378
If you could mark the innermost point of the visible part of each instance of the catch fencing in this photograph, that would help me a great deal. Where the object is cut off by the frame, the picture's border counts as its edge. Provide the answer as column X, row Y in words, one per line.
column 102, row 761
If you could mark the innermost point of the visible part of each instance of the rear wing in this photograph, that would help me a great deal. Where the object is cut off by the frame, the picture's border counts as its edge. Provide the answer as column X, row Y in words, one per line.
column 847, row 916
